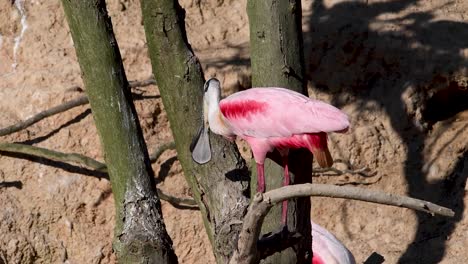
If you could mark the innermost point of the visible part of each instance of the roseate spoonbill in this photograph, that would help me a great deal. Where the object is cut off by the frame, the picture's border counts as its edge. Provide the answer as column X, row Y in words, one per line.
column 327, row 249
column 268, row 118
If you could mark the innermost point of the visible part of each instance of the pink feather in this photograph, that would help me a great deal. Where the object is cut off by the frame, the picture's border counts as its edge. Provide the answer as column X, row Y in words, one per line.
column 270, row 118
column 279, row 112
column 327, row 249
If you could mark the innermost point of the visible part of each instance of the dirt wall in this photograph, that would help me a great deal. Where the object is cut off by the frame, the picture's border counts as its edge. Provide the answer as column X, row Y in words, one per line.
column 398, row 68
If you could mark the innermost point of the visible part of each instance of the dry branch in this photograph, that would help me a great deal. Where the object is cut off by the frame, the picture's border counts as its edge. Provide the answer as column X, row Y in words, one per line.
column 362, row 171
column 82, row 100
column 147, row 82
column 371, row 177
column 94, row 164
column 72, row 157
column 354, row 193
column 262, row 203
column 54, row 155
column 176, row 201
column 159, row 150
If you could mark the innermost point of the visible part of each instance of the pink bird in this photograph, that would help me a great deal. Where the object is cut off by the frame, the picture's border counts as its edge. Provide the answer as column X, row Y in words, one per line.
column 268, row 118
column 327, row 249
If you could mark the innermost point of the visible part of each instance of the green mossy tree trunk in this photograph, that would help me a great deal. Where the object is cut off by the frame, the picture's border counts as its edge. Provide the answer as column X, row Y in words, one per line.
column 277, row 60
column 140, row 234
column 220, row 187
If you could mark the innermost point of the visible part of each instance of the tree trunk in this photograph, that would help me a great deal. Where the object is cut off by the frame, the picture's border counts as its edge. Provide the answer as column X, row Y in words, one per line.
column 277, row 60
column 140, row 234
column 220, row 187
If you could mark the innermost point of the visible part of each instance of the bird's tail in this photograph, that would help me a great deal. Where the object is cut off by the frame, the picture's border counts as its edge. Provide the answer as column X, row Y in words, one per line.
column 323, row 157
column 318, row 146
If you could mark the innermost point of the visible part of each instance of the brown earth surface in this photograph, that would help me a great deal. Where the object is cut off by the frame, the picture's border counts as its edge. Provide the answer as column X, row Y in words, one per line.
column 398, row 68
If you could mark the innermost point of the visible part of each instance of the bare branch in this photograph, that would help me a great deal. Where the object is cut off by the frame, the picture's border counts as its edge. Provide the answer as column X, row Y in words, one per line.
column 246, row 252
column 147, row 82
column 54, row 155
column 370, row 177
column 82, row 100
column 96, row 165
column 375, row 179
column 362, row 171
column 160, row 150
column 262, row 203
column 187, row 203
column 355, row 193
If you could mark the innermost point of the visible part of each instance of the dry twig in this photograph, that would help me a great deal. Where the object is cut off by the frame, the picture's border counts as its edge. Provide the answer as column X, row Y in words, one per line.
column 54, row 155
column 159, row 150
column 176, row 201
column 82, row 100
column 355, row 193
column 94, row 164
column 364, row 171
column 147, row 82
column 262, row 203
column 370, row 177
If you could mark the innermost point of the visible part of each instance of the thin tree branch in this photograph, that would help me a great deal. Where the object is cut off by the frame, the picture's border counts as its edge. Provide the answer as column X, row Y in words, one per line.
column 144, row 83
column 82, row 100
column 154, row 156
column 375, row 179
column 362, row 171
column 188, row 203
column 96, row 165
column 262, row 203
column 54, row 155
column 246, row 252
column 355, row 193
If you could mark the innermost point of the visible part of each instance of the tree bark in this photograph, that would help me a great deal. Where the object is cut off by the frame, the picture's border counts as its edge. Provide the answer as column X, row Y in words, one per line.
column 220, row 187
column 277, row 60
column 140, row 234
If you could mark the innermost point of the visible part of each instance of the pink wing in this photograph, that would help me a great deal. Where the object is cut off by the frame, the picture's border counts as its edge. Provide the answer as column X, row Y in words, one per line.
column 278, row 112
column 327, row 249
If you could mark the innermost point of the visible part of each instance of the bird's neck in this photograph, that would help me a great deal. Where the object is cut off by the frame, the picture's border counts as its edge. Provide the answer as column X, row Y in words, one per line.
column 216, row 119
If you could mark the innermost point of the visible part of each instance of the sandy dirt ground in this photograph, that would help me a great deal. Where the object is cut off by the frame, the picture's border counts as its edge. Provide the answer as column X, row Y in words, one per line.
column 398, row 68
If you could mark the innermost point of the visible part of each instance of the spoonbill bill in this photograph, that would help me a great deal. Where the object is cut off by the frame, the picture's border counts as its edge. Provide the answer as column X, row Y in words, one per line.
column 268, row 118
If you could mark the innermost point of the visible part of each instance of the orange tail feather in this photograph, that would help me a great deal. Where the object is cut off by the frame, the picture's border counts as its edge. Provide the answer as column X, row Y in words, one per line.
column 323, row 157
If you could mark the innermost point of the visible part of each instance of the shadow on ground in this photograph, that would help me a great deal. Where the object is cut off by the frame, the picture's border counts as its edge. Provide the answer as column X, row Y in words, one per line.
column 361, row 51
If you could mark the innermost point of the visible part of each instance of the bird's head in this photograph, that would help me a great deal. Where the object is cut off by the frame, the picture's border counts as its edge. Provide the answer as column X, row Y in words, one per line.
column 200, row 147
column 212, row 91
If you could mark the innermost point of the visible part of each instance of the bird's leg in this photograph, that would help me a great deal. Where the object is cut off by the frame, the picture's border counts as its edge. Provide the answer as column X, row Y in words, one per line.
column 260, row 178
column 284, row 213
